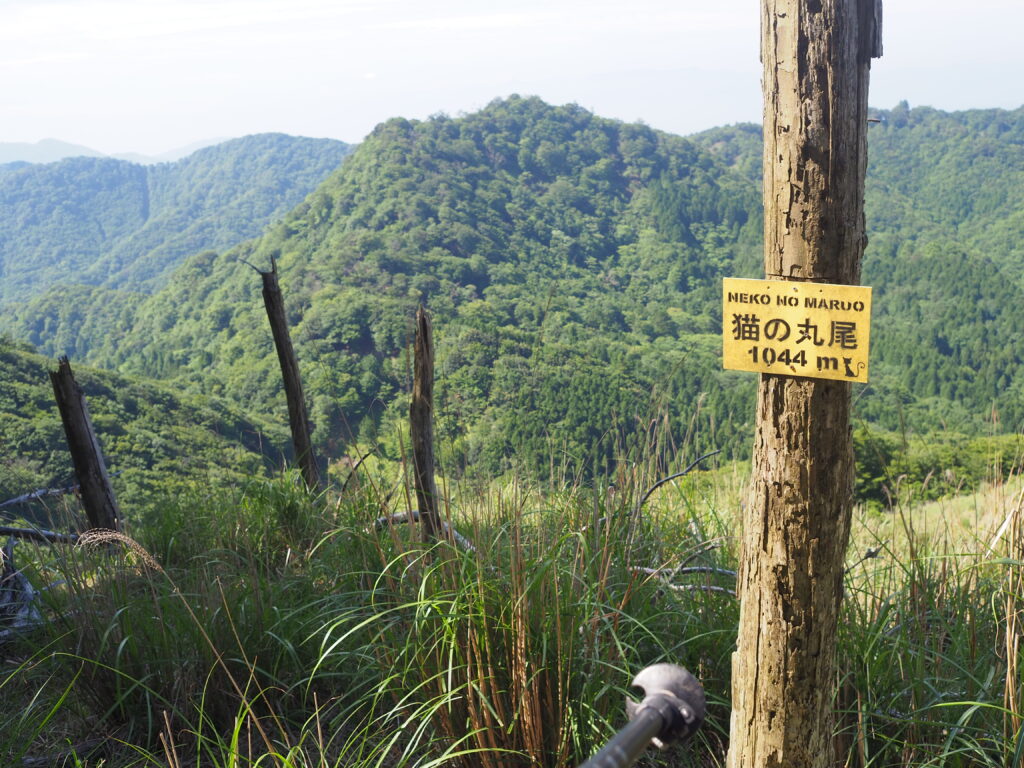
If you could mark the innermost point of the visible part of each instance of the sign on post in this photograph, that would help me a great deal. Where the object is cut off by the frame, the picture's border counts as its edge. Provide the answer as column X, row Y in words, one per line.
column 816, row 330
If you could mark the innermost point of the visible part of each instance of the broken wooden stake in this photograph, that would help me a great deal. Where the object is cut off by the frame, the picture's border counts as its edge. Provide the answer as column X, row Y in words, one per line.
column 421, row 429
column 298, row 415
column 90, row 469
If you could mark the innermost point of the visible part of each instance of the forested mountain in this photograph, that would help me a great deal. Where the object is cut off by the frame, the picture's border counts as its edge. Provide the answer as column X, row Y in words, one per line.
column 151, row 435
column 573, row 267
column 955, row 178
column 944, row 202
column 564, row 257
column 100, row 221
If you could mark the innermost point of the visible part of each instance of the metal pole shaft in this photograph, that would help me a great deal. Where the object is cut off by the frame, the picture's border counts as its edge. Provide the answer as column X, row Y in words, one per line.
column 625, row 747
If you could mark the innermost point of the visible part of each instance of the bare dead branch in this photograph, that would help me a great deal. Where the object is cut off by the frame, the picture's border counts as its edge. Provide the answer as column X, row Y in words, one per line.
column 355, row 468
column 657, row 485
column 38, row 534
column 673, row 572
column 701, row 588
column 39, row 494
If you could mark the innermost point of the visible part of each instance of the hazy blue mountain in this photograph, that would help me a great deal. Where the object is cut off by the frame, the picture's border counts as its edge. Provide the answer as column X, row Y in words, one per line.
column 171, row 155
column 52, row 150
column 45, row 151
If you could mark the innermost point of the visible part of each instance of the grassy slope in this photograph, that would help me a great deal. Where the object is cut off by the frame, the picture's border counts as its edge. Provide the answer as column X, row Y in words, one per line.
column 324, row 642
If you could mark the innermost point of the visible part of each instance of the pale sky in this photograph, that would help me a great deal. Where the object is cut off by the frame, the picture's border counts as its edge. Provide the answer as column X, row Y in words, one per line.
column 152, row 75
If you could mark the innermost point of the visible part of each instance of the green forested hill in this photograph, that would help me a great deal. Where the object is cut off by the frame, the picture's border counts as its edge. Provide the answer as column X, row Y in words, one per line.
column 572, row 264
column 947, row 329
column 955, row 178
column 949, row 177
column 944, row 202
column 573, row 267
column 151, row 435
column 83, row 322
column 100, row 221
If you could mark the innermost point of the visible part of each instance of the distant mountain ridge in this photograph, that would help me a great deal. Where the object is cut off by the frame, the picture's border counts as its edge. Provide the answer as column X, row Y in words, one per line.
column 52, row 150
column 44, row 151
column 171, row 155
column 102, row 221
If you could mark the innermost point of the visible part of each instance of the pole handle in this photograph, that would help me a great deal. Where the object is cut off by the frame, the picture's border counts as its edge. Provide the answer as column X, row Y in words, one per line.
column 672, row 710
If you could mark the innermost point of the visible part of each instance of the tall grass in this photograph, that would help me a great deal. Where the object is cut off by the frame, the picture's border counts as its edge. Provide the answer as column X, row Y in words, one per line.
column 927, row 657
column 264, row 627
column 529, row 639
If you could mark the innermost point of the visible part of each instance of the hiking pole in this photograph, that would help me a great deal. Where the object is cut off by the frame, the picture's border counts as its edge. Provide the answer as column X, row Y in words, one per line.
column 672, row 710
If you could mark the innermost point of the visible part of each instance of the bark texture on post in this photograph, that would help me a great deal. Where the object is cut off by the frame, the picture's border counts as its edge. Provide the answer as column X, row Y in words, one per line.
column 298, row 415
column 816, row 56
column 97, row 494
column 421, row 428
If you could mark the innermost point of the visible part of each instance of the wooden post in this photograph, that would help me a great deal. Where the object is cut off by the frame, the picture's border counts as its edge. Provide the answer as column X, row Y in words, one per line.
column 816, row 57
column 421, row 429
column 97, row 493
column 298, row 415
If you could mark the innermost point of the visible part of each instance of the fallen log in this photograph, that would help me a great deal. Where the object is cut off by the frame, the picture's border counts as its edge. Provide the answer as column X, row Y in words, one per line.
column 413, row 516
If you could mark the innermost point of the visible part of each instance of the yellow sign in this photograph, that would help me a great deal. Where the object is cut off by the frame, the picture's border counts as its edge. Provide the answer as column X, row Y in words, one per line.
column 796, row 329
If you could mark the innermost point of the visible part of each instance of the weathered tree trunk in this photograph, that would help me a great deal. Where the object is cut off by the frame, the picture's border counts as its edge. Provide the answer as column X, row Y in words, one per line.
column 97, row 494
column 421, row 428
column 298, row 415
column 816, row 56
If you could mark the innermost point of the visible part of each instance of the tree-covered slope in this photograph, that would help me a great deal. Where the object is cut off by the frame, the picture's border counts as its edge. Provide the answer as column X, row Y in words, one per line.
column 151, row 435
column 56, row 219
column 573, row 267
column 78, row 321
column 944, row 202
column 101, row 221
column 571, row 263
column 933, row 177
column 949, row 177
